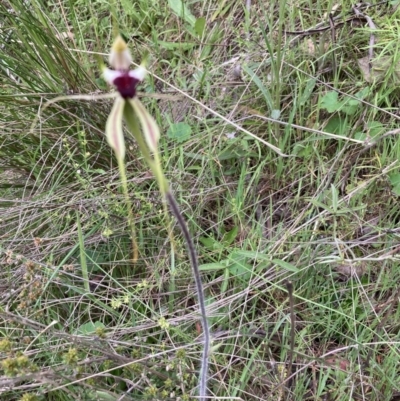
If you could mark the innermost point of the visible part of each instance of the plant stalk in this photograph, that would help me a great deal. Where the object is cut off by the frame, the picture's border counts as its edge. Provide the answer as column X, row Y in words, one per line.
column 131, row 220
column 200, row 292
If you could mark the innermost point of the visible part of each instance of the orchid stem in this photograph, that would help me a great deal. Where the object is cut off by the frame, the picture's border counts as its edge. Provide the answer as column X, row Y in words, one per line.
column 154, row 163
column 200, row 292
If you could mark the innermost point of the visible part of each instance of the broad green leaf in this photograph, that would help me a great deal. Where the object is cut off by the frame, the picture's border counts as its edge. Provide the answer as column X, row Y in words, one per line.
column 253, row 255
column 349, row 106
column 211, row 243
column 303, row 149
column 307, row 91
column 240, row 270
column 375, row 128
column 89, row 328
column 180, row 45
column 396, row 190
column 361, row 136
column 98, row 171
column 264, row 90
column 213, row 266
column 363, row 93
column 230, row 236
column 95, row 258
column 180, row 9
column 337, row 125
column 199, row 26
column 394, row 179
column 330, row 102
column 180, row 132
column 286, row 265
column 104, row 396
column 233, row 153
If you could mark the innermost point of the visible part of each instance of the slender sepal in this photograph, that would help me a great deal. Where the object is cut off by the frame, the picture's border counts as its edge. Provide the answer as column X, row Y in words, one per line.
column 115, row 136
column 149, row 126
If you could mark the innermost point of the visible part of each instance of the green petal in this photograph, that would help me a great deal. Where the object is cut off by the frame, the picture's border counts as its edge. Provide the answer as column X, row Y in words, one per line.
column 150, row 128
column 115, row 136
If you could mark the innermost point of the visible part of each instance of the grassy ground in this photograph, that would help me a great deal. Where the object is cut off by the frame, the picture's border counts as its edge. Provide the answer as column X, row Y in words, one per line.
column 298, row 250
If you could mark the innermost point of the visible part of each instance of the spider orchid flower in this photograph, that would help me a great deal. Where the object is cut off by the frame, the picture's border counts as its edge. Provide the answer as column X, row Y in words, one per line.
column 126, row 82
column 137, row 119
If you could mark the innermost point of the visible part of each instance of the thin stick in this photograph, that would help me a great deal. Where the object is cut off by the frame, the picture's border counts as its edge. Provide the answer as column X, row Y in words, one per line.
column 289, row 287
column 82, row 254
column 200, row 292
column 372, row 26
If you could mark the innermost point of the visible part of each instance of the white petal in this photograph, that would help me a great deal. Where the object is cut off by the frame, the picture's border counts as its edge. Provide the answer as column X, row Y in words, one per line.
column 139, row 73
column 110, row 75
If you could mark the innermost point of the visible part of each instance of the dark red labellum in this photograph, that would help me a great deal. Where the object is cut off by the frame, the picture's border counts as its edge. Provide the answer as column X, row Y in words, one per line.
column 126, row 85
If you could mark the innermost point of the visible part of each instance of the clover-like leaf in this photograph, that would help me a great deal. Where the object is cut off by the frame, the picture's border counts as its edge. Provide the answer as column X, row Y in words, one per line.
column 180, row 132
column 330, row 102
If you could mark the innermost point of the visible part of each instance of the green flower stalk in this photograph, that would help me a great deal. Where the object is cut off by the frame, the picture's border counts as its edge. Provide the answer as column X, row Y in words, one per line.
column 146, row 132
